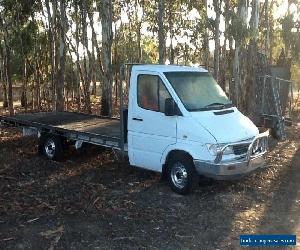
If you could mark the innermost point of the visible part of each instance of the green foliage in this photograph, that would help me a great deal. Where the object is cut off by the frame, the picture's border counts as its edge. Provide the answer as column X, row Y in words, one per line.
column 290, row 34
column 239, row 30
column 287, row 24
column 28, row 38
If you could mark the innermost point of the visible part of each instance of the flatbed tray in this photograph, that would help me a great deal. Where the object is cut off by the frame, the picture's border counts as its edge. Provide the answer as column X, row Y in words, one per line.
column 90, row 128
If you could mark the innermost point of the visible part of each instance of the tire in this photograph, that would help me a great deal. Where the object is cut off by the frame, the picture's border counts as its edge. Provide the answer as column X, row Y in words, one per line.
column 182, row 176
column 52, row 147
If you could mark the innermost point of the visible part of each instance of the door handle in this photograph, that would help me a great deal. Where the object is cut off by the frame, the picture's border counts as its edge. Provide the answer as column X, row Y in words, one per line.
column 137, row 119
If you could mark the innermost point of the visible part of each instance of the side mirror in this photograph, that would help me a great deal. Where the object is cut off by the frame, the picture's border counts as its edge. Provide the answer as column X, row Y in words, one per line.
column 171, row 108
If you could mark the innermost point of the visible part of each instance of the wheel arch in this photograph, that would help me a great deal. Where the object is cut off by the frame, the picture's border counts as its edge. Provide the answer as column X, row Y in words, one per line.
column 196, row 151
column 170, row 154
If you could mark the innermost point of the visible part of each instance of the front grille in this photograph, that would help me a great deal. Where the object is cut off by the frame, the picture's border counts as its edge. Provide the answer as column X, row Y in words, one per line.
column 240, row 149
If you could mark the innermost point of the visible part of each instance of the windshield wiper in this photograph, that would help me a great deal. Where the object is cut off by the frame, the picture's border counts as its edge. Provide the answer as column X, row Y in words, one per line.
column 215, row 104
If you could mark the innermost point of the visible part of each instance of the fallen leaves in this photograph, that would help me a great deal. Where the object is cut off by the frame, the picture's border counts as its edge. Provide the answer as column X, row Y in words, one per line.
column 7, row 239
column 32, row 220
column 55, row 233
column 50, row 233
column 128, row 206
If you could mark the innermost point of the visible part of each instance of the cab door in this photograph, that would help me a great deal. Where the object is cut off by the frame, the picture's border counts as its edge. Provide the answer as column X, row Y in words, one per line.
column 150, row 131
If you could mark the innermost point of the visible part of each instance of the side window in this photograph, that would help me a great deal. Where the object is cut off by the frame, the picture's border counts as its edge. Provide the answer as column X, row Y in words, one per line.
column 147, row 92
column 163, row 95
column 152, row 93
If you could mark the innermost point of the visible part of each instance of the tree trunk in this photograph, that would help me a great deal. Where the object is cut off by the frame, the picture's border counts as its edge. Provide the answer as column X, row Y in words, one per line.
column 205, row 38
column 51, row 48
column 236, row 74
column 138, row 28
column 39, row 84
column 116, row 68
column 24, row 71
column 217, row 4
column 78, row 67
column 5, row 100
column 242, row 13
column 35, row 88
column 56, row 48
column 86, row 67
column 94, row 72
column 171, row 30
column 3, row 77
column 98, row 51
column 106, row 22
column 250, row 96
column 79, row 73
column 9, row 79
column 139, row 42
column 225, row 53
column 230, row 59
column 254, row 21
column 92, row 55
column 6, row 53
column 62, row 56
column 24, row 86
column 36, row 84
column 161, row 32
column 267, row 42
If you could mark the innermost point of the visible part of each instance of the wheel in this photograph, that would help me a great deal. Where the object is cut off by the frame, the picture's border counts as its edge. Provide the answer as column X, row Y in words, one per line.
column 53, row 148
column 182, row 176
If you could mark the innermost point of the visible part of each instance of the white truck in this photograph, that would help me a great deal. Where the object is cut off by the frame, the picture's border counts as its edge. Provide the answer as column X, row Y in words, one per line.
column 179, row 122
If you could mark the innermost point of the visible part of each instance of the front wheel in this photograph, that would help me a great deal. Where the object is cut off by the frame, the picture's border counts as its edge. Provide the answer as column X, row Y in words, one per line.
column 182, row 176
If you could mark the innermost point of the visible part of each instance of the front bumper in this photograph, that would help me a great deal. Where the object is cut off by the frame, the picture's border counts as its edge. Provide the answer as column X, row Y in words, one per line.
column 230, row 171
column 236, row 169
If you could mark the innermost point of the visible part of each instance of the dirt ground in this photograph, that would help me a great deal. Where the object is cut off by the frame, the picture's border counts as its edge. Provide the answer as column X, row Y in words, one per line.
column 88, row 201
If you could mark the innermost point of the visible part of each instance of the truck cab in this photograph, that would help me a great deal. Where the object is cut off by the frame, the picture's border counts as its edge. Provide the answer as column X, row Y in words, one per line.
column 182, row 124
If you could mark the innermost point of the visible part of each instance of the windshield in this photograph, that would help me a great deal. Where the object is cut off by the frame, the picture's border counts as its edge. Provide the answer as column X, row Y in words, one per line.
column 198, row 90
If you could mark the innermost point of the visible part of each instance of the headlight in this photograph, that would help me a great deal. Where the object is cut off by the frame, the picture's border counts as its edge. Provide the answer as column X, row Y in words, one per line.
column 214, row 149
column 256, row 147
column 259, row 146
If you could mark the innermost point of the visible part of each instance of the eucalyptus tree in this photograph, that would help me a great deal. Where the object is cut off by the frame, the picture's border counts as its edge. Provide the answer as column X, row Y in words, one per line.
column 13, row 18
column 267, row 22
column 92, row 59
column 59, row 101
column 3, row 75
column 206, row 36
column 239, row 31
column 217, row 9
column 74, row 48
column 51, row 18
column 251, row 84
column 6, row 17
column 161, row 31
column 227, row 48
column 87, row 57
column 200, row 27
column 106, row 22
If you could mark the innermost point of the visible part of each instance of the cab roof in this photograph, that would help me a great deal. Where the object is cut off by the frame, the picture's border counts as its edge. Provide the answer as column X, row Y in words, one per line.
column 166, row 68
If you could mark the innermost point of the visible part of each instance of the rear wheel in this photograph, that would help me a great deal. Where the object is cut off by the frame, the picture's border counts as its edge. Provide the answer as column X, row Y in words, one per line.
column 182, row 176
column 52, row 147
